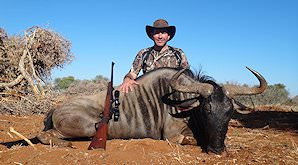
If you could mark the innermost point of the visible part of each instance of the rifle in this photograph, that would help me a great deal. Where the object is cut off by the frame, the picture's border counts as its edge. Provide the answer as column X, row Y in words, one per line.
column 100, row 138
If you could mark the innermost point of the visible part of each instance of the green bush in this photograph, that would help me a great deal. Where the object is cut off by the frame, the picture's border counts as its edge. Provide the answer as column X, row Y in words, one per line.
column 72, row 86
column 64, row 83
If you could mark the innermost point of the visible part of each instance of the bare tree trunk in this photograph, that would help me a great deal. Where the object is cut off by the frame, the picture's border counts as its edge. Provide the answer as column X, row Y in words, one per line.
column 26, row 75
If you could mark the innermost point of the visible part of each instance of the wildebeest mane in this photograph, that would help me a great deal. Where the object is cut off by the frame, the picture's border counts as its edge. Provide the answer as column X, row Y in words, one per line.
column 202, row 77
column 196, row 75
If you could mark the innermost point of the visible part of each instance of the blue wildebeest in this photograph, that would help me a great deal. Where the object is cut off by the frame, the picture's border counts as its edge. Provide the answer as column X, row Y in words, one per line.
column 166, row 104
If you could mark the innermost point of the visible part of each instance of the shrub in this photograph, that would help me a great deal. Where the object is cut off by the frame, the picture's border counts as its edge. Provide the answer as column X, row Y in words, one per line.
column 274, row 94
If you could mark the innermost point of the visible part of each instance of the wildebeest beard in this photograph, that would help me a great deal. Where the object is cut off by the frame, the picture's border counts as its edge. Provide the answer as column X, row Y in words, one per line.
column 214, row 114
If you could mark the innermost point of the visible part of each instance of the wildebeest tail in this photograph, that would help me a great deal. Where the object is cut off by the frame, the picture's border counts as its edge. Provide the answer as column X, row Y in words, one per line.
column 48, row 123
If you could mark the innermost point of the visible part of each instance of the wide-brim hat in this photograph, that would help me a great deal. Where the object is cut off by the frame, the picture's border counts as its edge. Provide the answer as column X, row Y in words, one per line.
column 161, row 24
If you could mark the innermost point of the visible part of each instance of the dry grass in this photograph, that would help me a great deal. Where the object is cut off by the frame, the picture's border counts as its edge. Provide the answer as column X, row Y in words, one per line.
column 277, row 107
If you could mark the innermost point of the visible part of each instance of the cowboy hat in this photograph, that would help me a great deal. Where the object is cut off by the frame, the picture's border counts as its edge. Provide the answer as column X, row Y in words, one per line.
column 161, row 24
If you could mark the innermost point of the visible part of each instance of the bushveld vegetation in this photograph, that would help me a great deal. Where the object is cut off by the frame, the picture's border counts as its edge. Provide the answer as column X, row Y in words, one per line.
column 25, row 75
column 26, row 64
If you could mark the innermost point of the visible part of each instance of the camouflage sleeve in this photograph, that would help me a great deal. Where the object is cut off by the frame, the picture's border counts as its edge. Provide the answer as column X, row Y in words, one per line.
column 184, row 62
column 136, row 65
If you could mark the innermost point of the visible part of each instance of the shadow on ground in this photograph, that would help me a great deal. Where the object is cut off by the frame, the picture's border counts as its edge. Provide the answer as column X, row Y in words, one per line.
column 36, row 141
column 19, row 142
column 272, row 119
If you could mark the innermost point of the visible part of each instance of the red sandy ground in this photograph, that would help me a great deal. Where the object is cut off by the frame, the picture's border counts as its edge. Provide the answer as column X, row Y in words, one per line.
column 258, row 138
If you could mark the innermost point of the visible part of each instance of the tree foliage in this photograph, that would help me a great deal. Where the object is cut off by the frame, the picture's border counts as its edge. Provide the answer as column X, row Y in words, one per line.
column 295, row 99
column 63, row 83
column 100, row 78
column 87, row 87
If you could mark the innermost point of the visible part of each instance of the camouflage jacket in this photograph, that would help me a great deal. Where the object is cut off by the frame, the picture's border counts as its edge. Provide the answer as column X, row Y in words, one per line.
column 149, row 59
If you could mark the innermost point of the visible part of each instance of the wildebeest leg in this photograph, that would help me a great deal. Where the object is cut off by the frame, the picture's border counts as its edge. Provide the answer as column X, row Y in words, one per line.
column 69, row 125
column 74, row 119
column 177, row 131
column 53, row 137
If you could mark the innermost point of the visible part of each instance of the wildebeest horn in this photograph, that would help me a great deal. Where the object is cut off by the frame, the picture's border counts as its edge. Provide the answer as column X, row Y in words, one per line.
column 234, row 90
column 203, row 89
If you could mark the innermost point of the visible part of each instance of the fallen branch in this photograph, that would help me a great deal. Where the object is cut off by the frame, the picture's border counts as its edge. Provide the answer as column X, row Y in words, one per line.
column 12, row 83
column 22, row 136
column 126, row 145
column 169, row 143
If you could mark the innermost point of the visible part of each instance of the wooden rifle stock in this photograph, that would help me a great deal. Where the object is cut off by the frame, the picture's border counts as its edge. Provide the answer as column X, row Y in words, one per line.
column 99, row 140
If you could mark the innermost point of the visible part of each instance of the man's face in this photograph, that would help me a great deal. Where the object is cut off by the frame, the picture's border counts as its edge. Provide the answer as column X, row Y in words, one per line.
column 160, row 37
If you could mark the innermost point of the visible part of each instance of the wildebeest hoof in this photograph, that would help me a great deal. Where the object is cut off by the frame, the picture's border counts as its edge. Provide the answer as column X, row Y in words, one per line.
column 188, row 140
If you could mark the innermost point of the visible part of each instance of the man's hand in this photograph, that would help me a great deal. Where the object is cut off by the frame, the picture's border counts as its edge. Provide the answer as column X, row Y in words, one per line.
column 127, row 85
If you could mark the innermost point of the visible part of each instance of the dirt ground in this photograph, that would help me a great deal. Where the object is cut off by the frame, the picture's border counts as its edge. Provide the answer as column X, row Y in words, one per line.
column 262, row 137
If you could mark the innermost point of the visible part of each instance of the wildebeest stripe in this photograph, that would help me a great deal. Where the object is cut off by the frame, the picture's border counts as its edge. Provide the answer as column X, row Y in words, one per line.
column 149, row 116
column 154, row 108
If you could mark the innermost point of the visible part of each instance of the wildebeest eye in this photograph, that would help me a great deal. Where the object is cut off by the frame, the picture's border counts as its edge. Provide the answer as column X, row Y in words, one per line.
column 207, row 108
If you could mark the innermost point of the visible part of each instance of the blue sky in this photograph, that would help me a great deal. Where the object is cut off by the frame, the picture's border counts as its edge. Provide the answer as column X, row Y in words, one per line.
column 221, row 36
